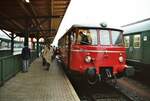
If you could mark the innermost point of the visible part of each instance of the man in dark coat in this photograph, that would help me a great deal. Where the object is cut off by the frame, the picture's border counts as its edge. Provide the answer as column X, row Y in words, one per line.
column 25, row 57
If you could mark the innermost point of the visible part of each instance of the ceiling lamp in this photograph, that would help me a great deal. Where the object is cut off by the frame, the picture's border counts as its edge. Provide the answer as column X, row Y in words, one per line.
column 27, row 1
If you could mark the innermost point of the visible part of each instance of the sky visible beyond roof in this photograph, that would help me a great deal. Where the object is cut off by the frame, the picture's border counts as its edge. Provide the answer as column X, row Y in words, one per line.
column 114, row 12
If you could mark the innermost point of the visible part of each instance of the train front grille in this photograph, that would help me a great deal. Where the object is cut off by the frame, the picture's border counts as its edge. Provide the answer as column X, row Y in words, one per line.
column 106, row 72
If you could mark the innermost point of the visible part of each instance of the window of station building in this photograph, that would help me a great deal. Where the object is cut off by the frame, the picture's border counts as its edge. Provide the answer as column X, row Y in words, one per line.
column 126, row 41
column 136, row 41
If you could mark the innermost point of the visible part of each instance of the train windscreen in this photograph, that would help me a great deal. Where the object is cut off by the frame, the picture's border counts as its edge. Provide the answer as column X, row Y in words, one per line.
column 108, row 37
column 116, row 38
column 104, row 37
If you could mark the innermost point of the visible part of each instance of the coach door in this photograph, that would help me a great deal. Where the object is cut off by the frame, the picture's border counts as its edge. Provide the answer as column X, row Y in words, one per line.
column 66, row 48
column 130, row 48
column 146, row 47
column 72, row 41
column 137, row 51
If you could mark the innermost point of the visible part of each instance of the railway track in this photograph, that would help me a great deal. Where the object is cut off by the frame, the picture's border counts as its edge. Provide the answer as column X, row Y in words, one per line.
column 140, row 75
column 133, row 89
column 125, row 90
column 98, row 92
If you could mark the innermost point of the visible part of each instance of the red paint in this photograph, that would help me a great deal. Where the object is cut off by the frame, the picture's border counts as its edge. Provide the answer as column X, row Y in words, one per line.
column 102, row 56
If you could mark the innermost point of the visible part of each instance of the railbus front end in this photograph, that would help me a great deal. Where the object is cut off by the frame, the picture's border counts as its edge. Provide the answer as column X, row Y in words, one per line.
column 95, row 52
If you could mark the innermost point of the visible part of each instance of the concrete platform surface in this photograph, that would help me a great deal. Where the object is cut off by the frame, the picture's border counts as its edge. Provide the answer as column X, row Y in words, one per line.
column 39, row 85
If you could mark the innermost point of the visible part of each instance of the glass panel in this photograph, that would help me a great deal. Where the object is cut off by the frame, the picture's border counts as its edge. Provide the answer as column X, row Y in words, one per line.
column 93, row 36
column 87, row 37
column 126, row 41
column 66, row 41
column 73, row 37
column 104, row 37
column 116, row 38
column 136, row 42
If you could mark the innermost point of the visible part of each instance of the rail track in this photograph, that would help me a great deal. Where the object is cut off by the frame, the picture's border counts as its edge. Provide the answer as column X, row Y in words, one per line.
column 98, row 92
column 141, row 77
column 125, row 90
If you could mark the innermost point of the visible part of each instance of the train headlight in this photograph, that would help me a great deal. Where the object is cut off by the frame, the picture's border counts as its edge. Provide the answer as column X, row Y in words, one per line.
column 88, row 59
column 121, row 59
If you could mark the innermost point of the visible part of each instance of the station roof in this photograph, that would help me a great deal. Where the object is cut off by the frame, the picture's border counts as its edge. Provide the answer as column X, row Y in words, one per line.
column 41, row 17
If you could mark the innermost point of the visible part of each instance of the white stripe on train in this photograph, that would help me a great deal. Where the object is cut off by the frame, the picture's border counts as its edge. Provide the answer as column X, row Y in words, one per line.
column 98, row 51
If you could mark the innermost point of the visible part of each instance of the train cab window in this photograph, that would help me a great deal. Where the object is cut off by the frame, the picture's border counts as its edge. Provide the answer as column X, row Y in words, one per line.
column 136, row 41
column 104, row 37
column 116, row 38
column 126, row 41
column 87, row 37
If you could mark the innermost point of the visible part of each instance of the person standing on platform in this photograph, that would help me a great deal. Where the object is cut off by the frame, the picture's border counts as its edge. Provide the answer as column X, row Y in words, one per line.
column 47, row 56
column 25, row 57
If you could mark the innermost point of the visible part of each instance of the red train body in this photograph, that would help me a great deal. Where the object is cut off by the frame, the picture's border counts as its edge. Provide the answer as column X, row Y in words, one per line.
column 96, row 52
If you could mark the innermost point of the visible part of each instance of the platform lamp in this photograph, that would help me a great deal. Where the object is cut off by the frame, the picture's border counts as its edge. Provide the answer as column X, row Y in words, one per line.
column 27, row 1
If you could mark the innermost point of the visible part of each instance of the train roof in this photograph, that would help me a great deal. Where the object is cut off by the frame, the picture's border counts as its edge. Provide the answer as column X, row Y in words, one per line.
column 140, row 26
column 93, row 27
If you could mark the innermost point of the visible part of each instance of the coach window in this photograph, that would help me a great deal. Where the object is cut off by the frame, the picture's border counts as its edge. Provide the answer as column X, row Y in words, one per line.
column 136, row 41
column 126, row 41
column 104, row 37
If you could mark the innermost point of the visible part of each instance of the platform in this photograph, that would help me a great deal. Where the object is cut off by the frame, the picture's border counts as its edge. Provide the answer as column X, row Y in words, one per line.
column 39, row 85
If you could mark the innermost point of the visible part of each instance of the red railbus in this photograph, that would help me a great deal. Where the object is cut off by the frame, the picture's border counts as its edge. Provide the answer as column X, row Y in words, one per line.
column 95, row 52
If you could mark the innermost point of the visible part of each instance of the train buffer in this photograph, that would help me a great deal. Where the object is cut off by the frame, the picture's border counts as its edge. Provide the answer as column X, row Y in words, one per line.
column 39, row 85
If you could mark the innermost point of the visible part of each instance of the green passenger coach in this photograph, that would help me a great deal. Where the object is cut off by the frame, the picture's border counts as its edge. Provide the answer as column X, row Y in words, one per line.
column 137, row 43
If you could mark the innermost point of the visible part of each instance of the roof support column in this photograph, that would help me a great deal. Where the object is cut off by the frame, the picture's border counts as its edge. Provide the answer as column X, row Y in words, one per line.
column 32, row 44
column 12, row 42
column 26, row 34
column 37, row 46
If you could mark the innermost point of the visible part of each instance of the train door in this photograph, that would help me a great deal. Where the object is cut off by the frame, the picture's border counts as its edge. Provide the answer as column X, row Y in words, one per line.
column 72, row 40
column 130, row 49
column 65, row 49
column 146, row 47
column 137, row 51
column 127, row 44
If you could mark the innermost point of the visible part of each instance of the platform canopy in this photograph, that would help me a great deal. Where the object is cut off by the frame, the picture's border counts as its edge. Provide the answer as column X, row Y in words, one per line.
column 38, row 17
